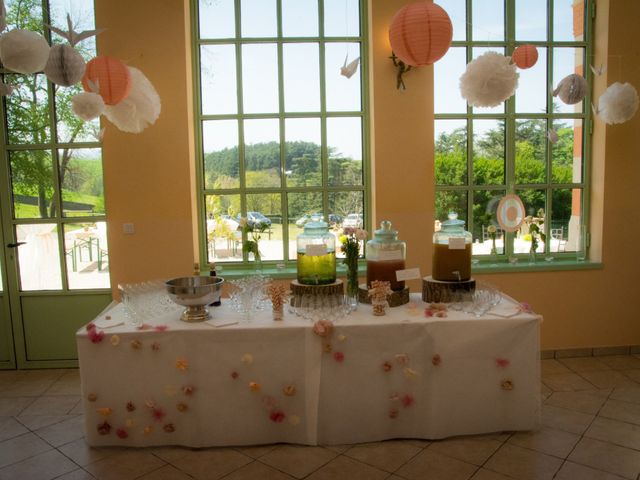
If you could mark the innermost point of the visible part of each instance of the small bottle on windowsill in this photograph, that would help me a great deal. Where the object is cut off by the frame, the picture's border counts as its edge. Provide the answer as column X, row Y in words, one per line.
column 212, row 273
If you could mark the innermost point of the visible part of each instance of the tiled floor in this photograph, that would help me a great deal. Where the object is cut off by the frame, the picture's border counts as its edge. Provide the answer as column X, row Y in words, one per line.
column 590, row 430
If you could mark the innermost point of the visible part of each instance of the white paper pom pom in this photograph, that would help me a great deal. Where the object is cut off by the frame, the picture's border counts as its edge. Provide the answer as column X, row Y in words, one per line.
column 65, row 65
column 24, row 51
column 488, row 80
column 618, row 103
column 87, row 105
column 571, row 89
column 140, row 109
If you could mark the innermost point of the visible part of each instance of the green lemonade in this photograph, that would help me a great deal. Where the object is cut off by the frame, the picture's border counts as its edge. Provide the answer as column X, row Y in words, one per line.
column 317, row 269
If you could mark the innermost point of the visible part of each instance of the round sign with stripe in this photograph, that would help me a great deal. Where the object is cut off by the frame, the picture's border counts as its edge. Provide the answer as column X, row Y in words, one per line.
column 510, row 213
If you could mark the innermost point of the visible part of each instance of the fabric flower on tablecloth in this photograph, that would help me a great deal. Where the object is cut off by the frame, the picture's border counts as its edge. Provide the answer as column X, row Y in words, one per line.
column 247, row 359
column 122, row 433
column 323, row 328
column 95, row 336
column 502, row 362
column 506, row 385
column 145, row 326
column 136, row 344
column 182, row 364
column 130, row 407
column 235, row 375
column 327, row 348
column 294, row 420
column 90, row 326
column 338, row 357
column 104, row 428
column 169, row 428
column 436, row 360
column 182, row 407
column 276, row 416
column 393, row 413
column 254, row 386
column 524, row 307
column 150, row 403
column 130, row 422
column 104, row 411
column 158, row 413
column 92, row 397
column 402, row 358
column 161, row 328
column 148, row 430
column 436, row 310
column 407, row 400
column 115, row 340
column 410, row 373
column 342, row 337
column 155, row 346
column 188, row 390
column 387, row 366
column 289, row 390
column 394, row 397
column 268, row 401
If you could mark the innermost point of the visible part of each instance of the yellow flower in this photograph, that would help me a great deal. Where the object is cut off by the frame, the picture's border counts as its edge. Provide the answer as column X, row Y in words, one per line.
column 182, row 364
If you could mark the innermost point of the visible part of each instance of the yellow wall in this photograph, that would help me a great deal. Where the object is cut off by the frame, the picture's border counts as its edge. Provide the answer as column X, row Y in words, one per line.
column 148, row 176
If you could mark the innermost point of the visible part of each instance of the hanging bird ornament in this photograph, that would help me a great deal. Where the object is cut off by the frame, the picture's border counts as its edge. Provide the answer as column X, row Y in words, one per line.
column 351, row 68
column 598, row 70
column 552, row 135
column 65, row 65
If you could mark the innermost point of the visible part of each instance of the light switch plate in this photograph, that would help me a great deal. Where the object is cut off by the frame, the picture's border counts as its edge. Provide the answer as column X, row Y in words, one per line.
column 128, row 229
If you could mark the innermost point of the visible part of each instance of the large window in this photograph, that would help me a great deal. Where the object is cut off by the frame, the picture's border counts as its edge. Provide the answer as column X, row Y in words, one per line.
column 281, row 133
column 533, row 144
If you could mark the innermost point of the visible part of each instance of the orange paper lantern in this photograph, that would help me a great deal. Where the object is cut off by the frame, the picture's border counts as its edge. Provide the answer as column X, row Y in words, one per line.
column 525, row 56
column 111, row 76
column 420, row 33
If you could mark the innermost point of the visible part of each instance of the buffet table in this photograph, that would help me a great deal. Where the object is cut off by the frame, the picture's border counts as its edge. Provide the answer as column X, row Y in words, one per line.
column 403, row 375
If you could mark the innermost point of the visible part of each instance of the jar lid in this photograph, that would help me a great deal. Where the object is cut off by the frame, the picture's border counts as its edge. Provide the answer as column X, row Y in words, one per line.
column 315, row 224
column 385, row 232
column 453, row 221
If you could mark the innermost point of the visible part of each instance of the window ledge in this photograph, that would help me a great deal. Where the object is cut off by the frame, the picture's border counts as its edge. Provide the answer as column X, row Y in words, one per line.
column 271, row 271
column 540, row 266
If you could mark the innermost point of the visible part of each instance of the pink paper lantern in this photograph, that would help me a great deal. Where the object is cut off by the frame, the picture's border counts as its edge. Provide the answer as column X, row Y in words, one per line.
column 525, row 56
column 420, row 33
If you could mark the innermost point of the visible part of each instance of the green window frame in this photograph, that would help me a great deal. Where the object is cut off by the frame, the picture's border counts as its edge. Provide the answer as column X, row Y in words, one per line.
column 222, row 201
column 469, row 191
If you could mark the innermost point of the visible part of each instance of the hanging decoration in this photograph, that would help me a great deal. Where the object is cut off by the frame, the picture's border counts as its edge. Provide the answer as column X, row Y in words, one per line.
column 525, row 56
column 571, row 89
column 488, row 80
column 552, row 135
column 140, row 109
column 87, row 105
column 111, row 75
column 618, row 103
column 510, row 213
column 23, row 51
column 65, row 65
column 347, row 70
column 598, row 71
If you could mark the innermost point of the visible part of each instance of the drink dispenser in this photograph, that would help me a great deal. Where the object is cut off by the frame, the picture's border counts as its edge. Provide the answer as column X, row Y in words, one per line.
column 452, row 251
column 316, row 248
column 385, row 255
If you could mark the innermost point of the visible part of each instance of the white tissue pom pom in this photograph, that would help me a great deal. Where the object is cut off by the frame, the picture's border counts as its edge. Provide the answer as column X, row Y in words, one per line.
column 488, row 80
column 618, row 103
column 87, row 105
column 571, row 89
column 140, row 109
column 65, row 65
column 24, row 51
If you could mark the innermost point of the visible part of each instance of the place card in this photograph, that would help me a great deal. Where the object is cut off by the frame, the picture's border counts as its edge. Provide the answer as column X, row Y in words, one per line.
column 456, row 243
column 316, row 250
column 408, row 274
column 222, row 322
column 389, row 255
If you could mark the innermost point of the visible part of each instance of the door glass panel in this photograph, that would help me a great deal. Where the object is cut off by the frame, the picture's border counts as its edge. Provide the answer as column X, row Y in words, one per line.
column 224, row 240
column 488, row 20
column 457, row 11
column 83, row 18
column 32, row 184
column 344, row 147
column 568, row 20
column 567, row 61
column 566, row 152
column 262, row 153
column 450, row 152
column 531, row 146
column 531, row 20
column 28, row 109
column 81, row 181
column 488, row 152
column 535, row 207
column 39, row 257
column 485, row 204
column 446, row 95
column 348, row 207
column 450, row 201
column 267, row 205
column 565, row 219
column 343, row 94
column 531, row 95
column 301, row 206
column 221, row 161
column 71, row 129
column 259, row 18
column 86, row 255
column 302, row 150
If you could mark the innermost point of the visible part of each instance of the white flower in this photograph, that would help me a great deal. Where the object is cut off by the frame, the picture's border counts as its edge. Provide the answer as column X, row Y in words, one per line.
column 491, row 229
column 361, row 234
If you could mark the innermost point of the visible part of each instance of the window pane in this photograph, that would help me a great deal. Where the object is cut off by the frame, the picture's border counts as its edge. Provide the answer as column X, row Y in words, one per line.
column 26, row 15
column 457, row 11
column 260, row 78
column 217, row 19
column 349, row 208
column 269, row 205
column 476, row 52
column 488, row 20
column 565, row 219
column 342, row 94
column 341, row 18
column 531, row 20
column 70, row 128
column 534, row 206
column 450, row 201
column 83, row 18
column 262, row 153
column 81, row 181
column 32, row 183
column 224, row 240
column 531, row 95
column 218, row 79
column 300, row 18
column 301, row 206
column 87, row 255
column 531, row 142
column 302, row 150
column 568, row 20
column 259, row 18
column 451, row 152
column 566, row 153
column 221, row 161
column 488, row 152
column 565, row 62
column 447, row 98
column 485, row 204
column 344, row 148
column 28, row 109
column 39, row 257
column 301, row 72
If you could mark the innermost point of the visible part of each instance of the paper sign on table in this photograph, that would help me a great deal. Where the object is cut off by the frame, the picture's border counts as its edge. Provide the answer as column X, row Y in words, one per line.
column 408, row 274
column 316, row 250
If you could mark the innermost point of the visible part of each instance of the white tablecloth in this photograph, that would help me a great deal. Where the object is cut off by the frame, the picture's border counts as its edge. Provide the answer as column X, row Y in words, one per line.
column 403, row 375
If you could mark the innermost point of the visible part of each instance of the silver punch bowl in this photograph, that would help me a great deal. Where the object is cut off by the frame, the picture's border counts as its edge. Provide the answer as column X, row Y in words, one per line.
column 195, row 293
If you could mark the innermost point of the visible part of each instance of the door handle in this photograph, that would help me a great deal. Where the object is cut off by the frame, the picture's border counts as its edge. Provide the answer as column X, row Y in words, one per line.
column 14, row 245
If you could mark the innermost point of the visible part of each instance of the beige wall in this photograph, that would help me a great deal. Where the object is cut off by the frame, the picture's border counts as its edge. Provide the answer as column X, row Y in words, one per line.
column 148, row 176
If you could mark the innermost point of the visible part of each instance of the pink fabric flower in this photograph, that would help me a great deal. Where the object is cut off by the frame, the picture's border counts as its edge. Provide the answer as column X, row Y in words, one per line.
column 276, row 416
column 90, row 326
column 393, row 413
column 407, row 400
column 158, row 413
column 145, row 326
column 502, row 362
column 338, row 357
column 323, row 328
column 104, row 428
column 122, row 433
column 436, row 360
column 386, row 366
column 95, row 336
column 428, row 312
column 524, row 307
column 160, row 328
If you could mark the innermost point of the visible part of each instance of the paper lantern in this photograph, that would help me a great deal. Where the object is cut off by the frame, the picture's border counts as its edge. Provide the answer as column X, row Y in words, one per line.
column 571, row 89
column 140, row 109
column 65, row 66
column 112, row 77
column 87, row 105
column 618, row 103
column 525, row 56
column 420, row 33
column 24, row 51
column 488, row 80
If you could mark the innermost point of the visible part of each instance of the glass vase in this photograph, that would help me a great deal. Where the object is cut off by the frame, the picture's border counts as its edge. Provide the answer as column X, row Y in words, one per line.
column 352, row 282
column 493, row 255
column 532, row 254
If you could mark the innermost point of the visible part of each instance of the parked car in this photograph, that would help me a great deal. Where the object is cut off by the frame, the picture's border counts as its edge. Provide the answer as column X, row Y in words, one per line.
column 353, row 220
column 334, row 220
column 256, row 218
